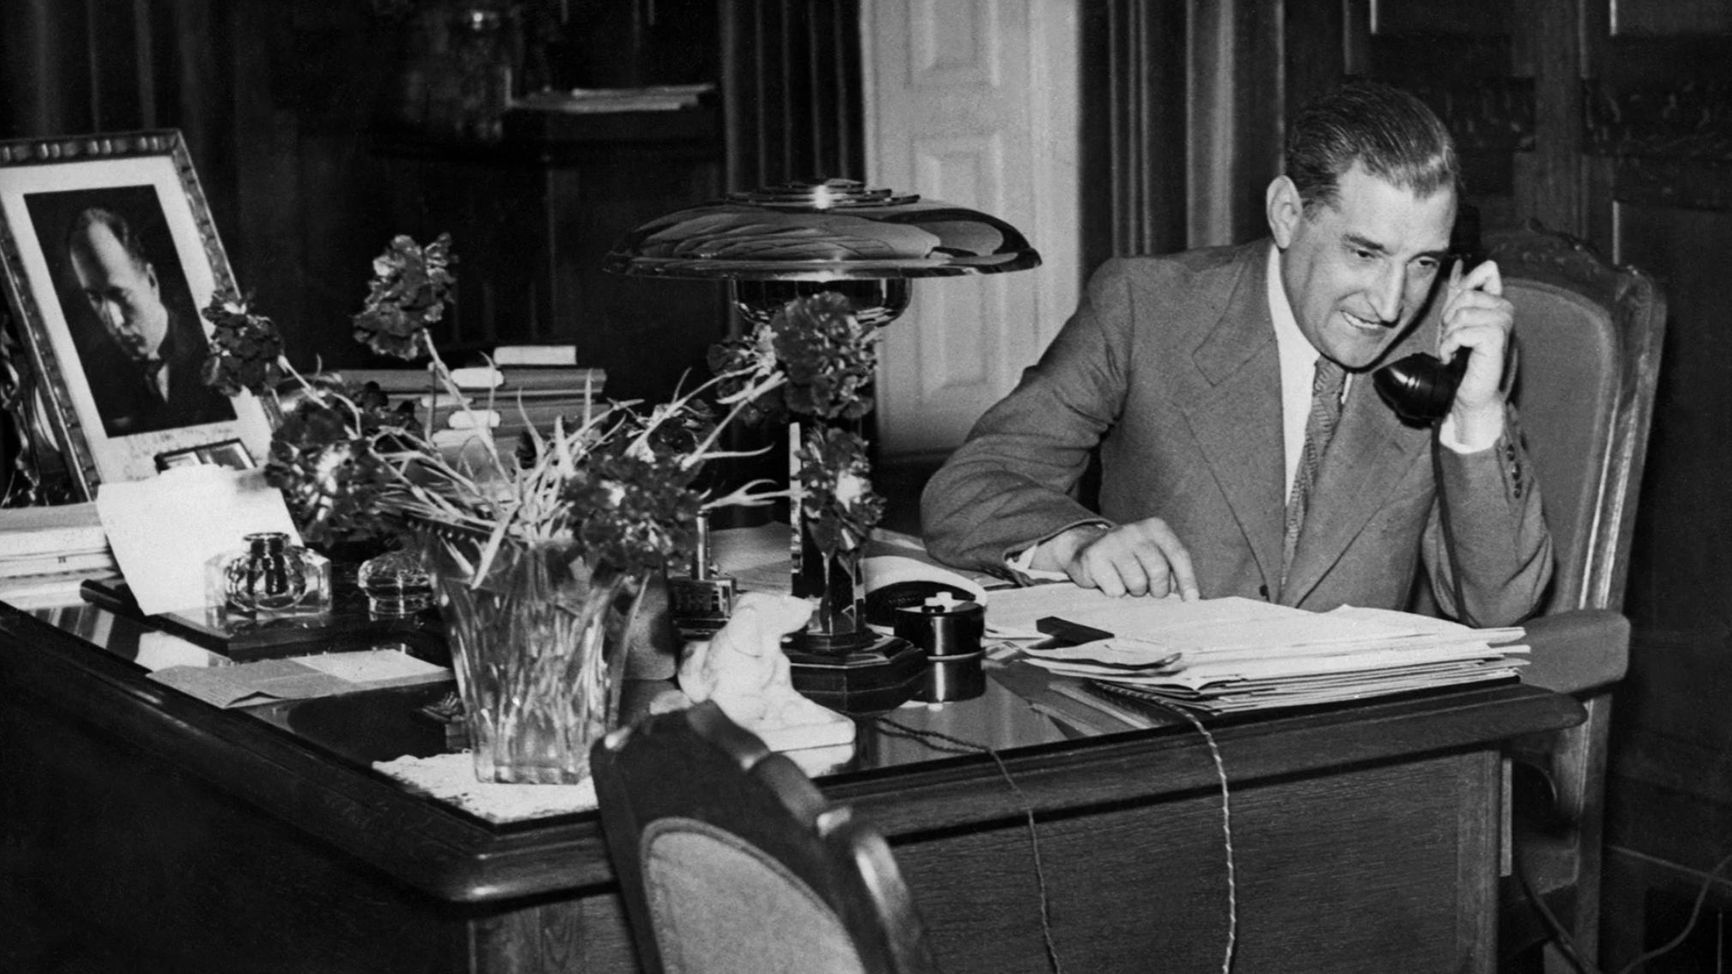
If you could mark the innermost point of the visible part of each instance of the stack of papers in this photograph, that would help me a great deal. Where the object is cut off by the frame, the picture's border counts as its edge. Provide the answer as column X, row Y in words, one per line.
column 46, row 553
column 1233, row 655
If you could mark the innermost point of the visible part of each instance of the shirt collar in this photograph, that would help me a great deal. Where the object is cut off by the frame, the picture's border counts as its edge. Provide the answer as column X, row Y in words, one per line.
column 1288, row 338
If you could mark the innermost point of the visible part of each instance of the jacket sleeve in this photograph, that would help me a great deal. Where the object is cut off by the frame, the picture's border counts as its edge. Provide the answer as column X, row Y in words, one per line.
column 1488, row 528
column 1013, row 482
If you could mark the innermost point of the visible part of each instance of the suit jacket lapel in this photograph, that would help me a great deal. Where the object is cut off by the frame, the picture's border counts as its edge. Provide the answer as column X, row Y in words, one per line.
column 1227, row 402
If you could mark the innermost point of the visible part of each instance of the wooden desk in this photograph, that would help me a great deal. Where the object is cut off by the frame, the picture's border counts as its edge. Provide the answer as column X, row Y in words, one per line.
column 144, row 830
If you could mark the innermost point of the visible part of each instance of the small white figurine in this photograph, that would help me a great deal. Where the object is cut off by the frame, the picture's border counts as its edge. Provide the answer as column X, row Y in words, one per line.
column 743, row 669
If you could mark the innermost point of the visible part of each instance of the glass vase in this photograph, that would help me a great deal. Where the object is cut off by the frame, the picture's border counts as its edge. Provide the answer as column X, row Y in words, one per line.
column 835, row 584
column 538, row 642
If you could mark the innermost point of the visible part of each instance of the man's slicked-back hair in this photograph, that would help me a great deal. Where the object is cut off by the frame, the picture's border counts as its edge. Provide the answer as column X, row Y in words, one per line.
column 1387, row 130
column 78, row 234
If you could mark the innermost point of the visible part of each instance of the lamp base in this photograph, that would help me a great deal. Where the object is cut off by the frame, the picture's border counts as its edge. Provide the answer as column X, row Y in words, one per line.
column 860, row 673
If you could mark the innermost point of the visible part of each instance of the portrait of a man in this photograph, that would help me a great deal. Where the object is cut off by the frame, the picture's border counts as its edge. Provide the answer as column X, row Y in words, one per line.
column 141, row 343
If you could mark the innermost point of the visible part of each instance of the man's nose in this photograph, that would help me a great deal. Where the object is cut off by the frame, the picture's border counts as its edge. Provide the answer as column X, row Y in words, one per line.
column 110, row 313
column 1388, row 291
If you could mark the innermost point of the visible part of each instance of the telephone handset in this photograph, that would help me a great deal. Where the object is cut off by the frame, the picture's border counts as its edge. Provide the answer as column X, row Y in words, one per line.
column 1421, row 387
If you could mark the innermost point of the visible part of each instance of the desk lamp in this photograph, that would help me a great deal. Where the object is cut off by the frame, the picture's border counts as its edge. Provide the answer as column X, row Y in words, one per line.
column 777, row 244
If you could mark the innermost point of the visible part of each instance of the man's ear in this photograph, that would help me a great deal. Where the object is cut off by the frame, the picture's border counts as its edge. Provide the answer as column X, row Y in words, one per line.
column 1284, row 208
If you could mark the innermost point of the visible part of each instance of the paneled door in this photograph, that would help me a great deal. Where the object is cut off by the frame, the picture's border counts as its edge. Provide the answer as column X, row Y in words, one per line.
column 973, row 102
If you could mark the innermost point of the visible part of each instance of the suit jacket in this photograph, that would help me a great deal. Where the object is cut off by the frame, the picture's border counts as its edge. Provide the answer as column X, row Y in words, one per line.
column 1170, row 366
column 127, row 402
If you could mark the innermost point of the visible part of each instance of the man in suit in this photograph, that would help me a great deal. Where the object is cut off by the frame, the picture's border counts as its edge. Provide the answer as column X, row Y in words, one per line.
column 146, row 375
column 1193, row 375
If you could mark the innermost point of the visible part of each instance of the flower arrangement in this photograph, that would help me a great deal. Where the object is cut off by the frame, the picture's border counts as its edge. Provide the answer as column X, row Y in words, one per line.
column 541, row 552
column 246, row 347
column 617, row 484
column 829, row 359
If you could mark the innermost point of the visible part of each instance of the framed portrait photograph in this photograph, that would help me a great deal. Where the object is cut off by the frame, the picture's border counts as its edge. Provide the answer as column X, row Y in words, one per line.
column 108, row 254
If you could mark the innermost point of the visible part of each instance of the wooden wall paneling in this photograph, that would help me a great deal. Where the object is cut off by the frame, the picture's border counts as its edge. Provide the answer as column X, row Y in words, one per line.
column 1549, row 180
column 1674, row 755
column 1680, row 558
column 1463, row 17
column 1665, row 18
column 1665, row 144
column 1467, row 65
column 1657, row 123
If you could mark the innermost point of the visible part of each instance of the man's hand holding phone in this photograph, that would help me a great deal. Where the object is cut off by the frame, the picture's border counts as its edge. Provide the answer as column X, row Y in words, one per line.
column 1476, row 316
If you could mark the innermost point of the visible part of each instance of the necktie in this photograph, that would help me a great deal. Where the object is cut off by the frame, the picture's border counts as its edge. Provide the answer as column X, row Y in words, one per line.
column 1319, row 427
column 153, row 376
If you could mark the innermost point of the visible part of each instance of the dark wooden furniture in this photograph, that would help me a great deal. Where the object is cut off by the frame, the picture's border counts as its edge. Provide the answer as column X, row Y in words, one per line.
column 144, row 830
column 729, row 859
column 531, row 217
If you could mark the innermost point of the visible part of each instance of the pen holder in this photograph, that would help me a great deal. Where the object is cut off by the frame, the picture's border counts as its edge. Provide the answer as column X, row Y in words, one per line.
column 949, row 633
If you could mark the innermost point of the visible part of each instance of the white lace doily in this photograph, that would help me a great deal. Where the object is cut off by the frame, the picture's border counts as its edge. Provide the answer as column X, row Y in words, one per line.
column 451, row 778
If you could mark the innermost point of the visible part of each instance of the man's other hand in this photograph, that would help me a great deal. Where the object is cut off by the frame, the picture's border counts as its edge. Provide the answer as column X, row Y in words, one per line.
column 1141, row 558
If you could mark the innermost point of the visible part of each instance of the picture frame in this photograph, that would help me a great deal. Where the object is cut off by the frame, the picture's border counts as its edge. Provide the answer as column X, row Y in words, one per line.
column 108, row 254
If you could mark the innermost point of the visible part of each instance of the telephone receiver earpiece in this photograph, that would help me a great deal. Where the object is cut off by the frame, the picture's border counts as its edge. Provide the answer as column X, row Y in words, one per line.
column 1420, row 387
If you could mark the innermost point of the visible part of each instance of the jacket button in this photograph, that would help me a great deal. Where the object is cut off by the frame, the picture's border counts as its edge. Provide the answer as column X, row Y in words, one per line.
column 1263, row 590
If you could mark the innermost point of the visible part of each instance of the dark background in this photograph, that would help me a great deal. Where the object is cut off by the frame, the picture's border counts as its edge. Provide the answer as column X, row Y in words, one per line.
column 1611, row 121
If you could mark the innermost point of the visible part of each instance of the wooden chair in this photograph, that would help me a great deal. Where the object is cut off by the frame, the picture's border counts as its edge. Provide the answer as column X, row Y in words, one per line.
column 1589, row 336
column 730, row 860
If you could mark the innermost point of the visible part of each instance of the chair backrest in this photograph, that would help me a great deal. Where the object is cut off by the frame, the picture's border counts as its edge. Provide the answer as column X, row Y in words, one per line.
column 730, row 860
column 1588, row 335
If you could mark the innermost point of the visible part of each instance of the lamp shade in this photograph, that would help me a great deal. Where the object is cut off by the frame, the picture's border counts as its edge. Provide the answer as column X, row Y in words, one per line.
column 821, row 230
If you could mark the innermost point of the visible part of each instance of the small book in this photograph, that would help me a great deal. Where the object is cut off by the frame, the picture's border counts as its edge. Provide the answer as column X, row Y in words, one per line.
column 51, row 530
column 506, row 355
column 100, row 561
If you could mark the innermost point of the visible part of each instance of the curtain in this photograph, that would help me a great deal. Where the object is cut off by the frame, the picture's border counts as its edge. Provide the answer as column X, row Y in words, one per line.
column 791, row 91
column 1182, row 122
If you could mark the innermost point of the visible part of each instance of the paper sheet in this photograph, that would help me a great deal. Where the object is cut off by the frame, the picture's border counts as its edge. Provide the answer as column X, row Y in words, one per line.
column 301, row 678
column 164, row 529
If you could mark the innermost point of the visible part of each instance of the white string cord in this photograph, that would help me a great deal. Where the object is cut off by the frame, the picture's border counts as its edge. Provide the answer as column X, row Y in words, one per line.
column 931, row 738
column 1227, row 840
